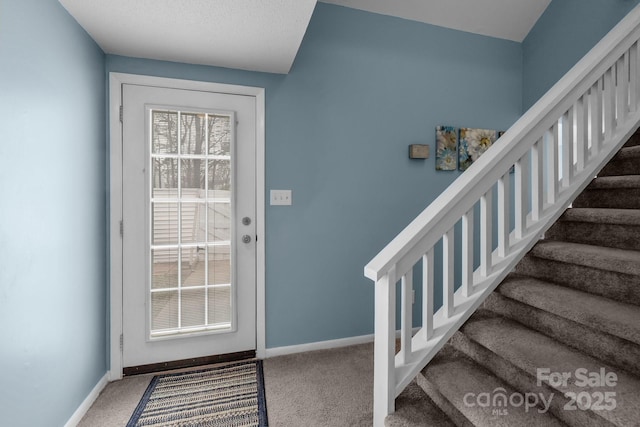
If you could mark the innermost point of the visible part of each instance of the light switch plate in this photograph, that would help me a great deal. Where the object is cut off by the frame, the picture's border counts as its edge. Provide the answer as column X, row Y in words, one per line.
column 280, row 197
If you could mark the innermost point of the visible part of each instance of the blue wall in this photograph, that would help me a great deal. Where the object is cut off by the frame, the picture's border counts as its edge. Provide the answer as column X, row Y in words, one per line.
column 363, row 87
column 52, row 214
column 565, row 32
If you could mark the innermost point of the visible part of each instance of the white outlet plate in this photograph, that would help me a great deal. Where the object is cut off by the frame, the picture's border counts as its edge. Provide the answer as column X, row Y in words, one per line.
column 280, row 197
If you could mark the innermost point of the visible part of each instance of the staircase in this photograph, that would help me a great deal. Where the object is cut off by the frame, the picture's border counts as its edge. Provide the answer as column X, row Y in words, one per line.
column 563, row 303
column 573, row 302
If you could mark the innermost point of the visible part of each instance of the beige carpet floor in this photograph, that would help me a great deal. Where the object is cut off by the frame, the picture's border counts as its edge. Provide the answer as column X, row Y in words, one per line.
column 327, row 388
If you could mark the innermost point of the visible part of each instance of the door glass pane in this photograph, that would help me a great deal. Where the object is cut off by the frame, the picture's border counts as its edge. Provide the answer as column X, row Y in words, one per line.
column 193, row 306
column 219, row 141
column 193, row 132
column 164, row 308
column 192, row 225
column 218, row 265
column 193, row 266
column 164, row 132
column 219, row 175
column 165, row 178
column 165, row 270
column 219, row 307
column 191, row 222
column 193, row 178
column 219, row 222
column 164, row 223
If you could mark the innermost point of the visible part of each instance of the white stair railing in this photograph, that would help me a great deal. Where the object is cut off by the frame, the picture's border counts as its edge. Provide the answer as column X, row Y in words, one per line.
column 555, row 149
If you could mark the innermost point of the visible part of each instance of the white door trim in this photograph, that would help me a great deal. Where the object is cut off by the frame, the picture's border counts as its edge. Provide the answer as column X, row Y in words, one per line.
column 116, row 80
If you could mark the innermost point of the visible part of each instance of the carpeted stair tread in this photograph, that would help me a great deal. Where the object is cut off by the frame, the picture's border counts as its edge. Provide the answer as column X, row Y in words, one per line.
column 625, row 162
column 612, row 350
column 615, row 182
column 609, row 284
column 613, row 317
column 617, row 189
column 611, row 259
column 634, row 140
column 455, row 377
column 613, row 228
column 632, row 143
column 628, row 153
column 529, row 351
column 415, row 409
column 603, row 215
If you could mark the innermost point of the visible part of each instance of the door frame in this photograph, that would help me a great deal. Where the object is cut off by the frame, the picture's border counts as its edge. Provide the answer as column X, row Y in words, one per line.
column 116, row 80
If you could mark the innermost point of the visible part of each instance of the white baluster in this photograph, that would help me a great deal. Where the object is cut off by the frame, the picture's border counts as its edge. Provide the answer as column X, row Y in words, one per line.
column 582, row 121
column 486, row 236
column 467, row 253
column 522, row 195
column 536, row 180
column 406, row 317
column 567, row 147
column 384, row 379
column 634, row 85
column 447, row 273
column 609, row 106
column 504, row 200
column 595, row 119
column 622, row 88
column 551, row 149
column 427, row 294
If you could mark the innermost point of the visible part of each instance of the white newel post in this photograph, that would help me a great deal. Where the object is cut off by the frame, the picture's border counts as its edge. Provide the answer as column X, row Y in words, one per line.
column 384, row 382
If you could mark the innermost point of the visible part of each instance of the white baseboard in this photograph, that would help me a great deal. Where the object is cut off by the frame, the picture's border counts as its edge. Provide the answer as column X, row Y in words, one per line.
column 86, row 404
column 324, row 345
column 319, row 345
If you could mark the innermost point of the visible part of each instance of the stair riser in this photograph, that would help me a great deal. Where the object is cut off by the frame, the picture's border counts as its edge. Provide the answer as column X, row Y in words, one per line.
column 413, row 406
column 617, row 286
column 615, row 198
column 442, row 402
column 619, row 167
column 633, row 141
column 525, row 383
column 609, row 235
column 600, row 345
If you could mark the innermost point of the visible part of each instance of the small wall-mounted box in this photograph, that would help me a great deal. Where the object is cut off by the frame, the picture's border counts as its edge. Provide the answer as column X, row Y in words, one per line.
column 419, row 151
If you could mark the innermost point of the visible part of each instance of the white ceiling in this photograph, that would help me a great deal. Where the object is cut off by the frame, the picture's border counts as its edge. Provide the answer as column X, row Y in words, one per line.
column 505, row 19
column 261, row 35
column 256, row 35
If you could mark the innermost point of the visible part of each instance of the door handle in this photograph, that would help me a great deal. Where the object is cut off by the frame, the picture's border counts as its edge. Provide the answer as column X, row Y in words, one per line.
column 246, row 238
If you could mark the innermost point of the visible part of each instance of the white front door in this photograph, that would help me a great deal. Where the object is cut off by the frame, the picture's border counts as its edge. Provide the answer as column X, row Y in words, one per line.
column 189, row 209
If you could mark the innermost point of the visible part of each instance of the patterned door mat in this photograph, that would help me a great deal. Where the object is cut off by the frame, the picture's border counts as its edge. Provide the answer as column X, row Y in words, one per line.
column 225, row 396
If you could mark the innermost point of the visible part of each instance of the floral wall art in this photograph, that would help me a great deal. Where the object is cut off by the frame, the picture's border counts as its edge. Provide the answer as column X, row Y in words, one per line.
column 446, row 148
column 474, row 142
column 458, row 148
